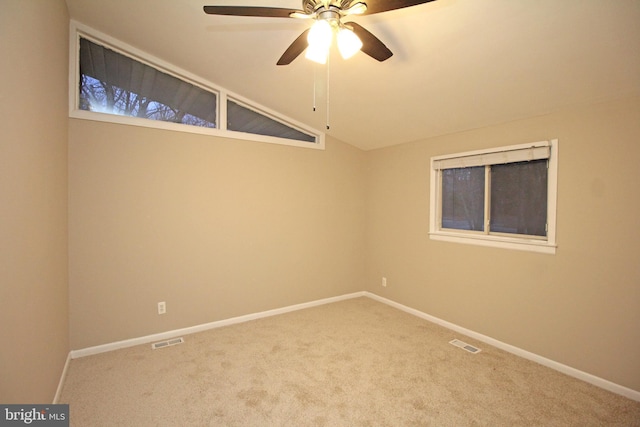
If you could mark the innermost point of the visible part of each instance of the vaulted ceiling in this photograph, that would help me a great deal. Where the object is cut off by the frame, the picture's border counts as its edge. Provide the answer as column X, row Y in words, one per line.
column 457, row 64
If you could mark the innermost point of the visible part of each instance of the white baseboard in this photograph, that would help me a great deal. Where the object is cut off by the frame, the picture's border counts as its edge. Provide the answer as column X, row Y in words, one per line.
column 206, row 326
column 63, row 377
column 568, row 370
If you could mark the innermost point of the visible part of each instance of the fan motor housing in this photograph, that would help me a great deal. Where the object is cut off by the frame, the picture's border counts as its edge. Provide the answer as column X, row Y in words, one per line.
column 311, row 6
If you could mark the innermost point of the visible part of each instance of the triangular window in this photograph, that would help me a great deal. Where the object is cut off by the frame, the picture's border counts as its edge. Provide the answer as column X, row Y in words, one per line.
column 242, row 118
column 114, row 84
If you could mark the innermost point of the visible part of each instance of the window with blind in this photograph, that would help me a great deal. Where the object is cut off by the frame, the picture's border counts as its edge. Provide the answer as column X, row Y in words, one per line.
column 504, row 197
column 242, row 118
column 111, row 81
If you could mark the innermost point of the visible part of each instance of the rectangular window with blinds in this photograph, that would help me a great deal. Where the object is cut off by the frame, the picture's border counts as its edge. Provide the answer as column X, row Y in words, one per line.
column 504, row 197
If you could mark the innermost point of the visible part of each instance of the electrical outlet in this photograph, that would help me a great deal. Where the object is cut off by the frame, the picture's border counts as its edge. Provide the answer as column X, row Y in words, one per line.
column 162, row 307
column 384, row 282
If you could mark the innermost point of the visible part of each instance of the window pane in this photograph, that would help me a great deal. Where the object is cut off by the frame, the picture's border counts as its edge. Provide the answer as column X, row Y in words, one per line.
column 242, row 119
column 117, row 84
column 519, row 198
column 463, row 198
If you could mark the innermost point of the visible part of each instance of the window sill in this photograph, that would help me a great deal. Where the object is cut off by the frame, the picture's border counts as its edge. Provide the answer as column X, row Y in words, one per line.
column 539, row 246
column 178, row 127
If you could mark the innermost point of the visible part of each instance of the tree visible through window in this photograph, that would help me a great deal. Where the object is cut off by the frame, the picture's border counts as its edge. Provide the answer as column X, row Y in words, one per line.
column 113, row 82
column 117, row 84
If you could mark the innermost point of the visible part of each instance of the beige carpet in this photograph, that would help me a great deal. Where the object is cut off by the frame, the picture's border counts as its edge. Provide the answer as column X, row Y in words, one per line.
column 352, row 363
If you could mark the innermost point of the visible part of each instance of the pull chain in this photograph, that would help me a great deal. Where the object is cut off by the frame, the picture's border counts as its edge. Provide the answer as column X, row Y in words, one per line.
column 328, row 62
column 315, row 83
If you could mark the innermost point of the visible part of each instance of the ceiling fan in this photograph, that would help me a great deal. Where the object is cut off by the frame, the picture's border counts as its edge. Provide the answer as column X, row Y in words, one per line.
column 327, row 14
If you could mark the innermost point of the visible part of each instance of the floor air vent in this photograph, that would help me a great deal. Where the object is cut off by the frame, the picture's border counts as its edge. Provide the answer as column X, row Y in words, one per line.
column 167, row 343
column 465, row 346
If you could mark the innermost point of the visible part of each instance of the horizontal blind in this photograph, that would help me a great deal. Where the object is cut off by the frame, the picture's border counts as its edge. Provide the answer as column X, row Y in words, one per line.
column 137, row 78
column 536, row 151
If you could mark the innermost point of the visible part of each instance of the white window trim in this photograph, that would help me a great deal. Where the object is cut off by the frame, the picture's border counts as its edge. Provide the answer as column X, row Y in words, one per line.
column 547, row 246
column 78, row 30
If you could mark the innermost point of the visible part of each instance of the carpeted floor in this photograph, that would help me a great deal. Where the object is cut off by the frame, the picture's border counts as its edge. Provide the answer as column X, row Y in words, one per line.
column 352, row 363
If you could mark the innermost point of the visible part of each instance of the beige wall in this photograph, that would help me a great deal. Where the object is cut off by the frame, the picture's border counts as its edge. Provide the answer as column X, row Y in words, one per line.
column 33, row 194
column 219, row 228
column 580, row 307
column 215, row 227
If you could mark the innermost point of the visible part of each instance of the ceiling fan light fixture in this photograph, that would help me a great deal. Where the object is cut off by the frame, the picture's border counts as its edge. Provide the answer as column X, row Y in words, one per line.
column 320, row 37
column 325, row 12
column 317, row 53
column 348, row 43
column 321, row 34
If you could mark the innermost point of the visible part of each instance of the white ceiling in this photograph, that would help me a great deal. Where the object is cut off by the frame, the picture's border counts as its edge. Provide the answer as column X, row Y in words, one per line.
column 457, row 64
